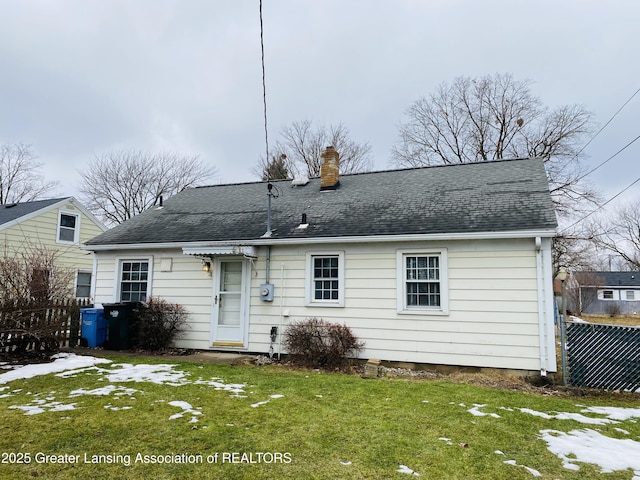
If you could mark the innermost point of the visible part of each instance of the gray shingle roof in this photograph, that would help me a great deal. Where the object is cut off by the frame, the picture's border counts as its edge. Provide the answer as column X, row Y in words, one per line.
column 480, row 197
column 618, row 279
column 13, row 211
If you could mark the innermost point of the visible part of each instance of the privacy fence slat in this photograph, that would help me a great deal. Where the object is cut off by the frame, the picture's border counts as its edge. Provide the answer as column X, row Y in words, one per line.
column 604, row 356
column 29, row 326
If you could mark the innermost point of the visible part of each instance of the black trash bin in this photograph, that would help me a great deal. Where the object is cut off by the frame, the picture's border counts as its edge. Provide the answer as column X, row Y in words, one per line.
column 122, row 325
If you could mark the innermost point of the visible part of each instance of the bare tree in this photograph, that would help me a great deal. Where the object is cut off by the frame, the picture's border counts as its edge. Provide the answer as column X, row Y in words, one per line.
column 20, row 180
column 619, row 233
column 571, row 250
column 32, row 273
column 120, row 184
column 302, row 144
column 32, row 282
column 493, row 118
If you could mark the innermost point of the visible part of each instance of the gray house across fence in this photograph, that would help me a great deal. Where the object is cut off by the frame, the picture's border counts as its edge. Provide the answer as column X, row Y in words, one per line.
column 612, row 293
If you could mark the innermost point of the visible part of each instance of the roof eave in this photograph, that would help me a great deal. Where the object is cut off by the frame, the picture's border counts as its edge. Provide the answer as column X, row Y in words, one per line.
column 512, row 234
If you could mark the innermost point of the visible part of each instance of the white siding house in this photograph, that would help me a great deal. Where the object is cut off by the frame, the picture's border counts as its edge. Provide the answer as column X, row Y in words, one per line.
column 445, row 265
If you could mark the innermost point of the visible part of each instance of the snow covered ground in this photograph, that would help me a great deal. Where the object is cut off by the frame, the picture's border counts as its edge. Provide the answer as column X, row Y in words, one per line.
column 573, row 447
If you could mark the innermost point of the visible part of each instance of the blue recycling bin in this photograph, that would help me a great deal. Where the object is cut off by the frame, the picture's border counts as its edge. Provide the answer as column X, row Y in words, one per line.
column 94, row 326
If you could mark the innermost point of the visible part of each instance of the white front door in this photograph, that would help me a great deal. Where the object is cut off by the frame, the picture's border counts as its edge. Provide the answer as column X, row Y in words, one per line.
column 230, row 296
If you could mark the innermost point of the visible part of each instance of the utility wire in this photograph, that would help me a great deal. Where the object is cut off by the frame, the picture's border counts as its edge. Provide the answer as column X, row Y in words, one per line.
column 604, row 162
column 601, row 206
column 610, row 158
column 605, row 126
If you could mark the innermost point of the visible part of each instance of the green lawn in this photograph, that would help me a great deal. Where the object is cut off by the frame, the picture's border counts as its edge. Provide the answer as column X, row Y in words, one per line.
column 288, row 425
column 627, row 320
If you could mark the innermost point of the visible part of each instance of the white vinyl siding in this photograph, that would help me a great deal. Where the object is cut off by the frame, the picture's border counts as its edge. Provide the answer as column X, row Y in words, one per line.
column 492, row 318
column 185, row 283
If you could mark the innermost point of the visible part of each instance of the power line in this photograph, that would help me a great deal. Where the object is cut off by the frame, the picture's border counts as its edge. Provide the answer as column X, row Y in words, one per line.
column 610, row 158
column 601, row 206
column 608, row 122
column 604, row 162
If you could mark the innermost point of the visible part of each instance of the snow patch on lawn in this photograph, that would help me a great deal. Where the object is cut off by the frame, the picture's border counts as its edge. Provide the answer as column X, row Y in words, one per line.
column 218, row 384
column 277, row 395
column 62, row 362
column 104, row 391
column 612, row 415
column 532, row 471
column 405, row 469
column 186, row 408
column 66, row 365
column 615, row 413
column 43, row 405
column 576, row 319
column 475, row 411
column 589, row 446
column 161, row 374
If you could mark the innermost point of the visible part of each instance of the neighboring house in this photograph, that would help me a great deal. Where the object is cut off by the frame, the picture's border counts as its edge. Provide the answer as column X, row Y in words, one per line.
column 444, row 265
column 60, row 224
column 612, row 293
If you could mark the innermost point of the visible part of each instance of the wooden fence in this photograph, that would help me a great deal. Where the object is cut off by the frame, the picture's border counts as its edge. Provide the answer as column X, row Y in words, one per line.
column 37, row 326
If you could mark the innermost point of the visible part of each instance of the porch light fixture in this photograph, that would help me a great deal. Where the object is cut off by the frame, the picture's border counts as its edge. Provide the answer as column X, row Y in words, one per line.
column 206, row 266
column 562, row 274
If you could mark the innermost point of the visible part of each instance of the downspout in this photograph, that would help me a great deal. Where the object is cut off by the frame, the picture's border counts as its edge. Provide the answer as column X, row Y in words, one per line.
column 542, row 330
column 94, row 273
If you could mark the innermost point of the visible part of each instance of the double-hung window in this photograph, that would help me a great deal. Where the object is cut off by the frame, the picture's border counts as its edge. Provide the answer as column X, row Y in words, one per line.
column 68, row 227
column 83, row 284
column 325, row 279
column 606, row 294
column 134, row 280
column 422, row 282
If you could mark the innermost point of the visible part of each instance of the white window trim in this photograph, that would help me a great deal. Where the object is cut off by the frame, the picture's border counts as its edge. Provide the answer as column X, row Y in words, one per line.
column 309, row 287
column 119, row 262
column 75, row 283
column 76, row 233
column 614, row 294
column 401, row 287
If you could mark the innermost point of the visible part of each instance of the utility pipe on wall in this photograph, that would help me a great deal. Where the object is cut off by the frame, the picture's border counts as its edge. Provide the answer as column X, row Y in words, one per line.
column 542, row 327
column 282, row 290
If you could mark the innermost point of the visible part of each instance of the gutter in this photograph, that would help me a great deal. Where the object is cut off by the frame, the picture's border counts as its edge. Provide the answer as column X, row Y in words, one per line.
column 511, row 234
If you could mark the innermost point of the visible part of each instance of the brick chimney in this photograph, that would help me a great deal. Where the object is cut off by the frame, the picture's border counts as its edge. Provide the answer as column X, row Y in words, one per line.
column 330, row 169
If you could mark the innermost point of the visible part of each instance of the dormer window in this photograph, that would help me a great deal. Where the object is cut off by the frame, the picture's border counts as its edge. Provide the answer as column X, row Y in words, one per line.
column 68, row 227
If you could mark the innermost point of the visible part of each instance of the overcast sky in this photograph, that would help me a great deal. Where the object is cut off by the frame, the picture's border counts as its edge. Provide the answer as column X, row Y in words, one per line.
column 79, row 78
